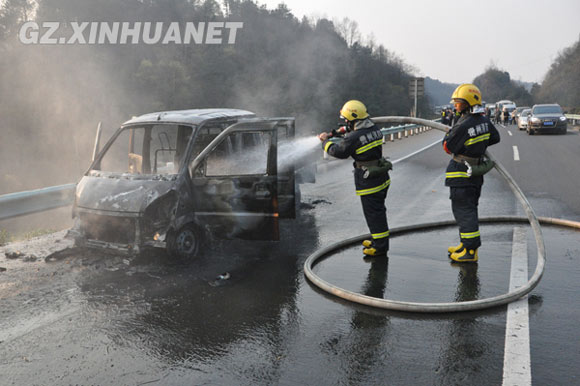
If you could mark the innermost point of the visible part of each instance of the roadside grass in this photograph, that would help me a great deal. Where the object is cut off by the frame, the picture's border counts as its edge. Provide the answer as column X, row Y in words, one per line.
column 6, row 237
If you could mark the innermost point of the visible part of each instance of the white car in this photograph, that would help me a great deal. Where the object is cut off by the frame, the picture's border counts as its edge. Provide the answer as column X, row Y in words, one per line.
column 523, row 119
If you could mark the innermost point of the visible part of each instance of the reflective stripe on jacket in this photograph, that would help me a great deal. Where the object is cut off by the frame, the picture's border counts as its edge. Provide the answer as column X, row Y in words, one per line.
column 363, row 144
column 470, row 136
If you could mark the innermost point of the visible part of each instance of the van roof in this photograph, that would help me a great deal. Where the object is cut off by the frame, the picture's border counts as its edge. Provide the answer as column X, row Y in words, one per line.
column 191, row 117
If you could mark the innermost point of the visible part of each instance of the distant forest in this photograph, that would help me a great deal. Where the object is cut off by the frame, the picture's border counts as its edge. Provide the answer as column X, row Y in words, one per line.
column 54, row 95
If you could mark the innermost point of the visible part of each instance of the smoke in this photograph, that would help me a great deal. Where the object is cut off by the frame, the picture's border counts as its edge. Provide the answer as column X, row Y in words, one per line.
column 297, row 153
column 300, row 78
column 53, row 98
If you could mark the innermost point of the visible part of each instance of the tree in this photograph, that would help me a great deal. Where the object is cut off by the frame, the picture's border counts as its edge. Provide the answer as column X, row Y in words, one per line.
column 562, row 82
column 12, row 14
column 496, row 84
column 348, row 30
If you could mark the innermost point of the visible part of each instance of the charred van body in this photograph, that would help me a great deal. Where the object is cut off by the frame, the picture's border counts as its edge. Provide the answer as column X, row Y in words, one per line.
column 174, row 178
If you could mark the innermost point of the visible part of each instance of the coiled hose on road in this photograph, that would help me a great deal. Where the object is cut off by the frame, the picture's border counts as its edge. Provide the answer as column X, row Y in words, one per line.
column 451, row 306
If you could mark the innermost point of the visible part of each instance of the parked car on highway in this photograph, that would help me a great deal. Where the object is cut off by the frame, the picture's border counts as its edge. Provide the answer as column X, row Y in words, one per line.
column 547, row 118
column 517, row 113
column 491, row 109
column 523, row 119
column 172, row 179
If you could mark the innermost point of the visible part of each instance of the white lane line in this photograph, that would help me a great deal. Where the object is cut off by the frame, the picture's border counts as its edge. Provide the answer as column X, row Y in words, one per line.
column 516, row 362
column 416, row 152
column 402, row 158
column 516, row 153
column 510, row 133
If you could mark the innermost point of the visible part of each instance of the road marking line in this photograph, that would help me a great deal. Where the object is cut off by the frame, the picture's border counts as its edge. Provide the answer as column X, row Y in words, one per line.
column 510, row 133
column 404, row 157
column 516, row 153
column 516, row 362
column 415, row 152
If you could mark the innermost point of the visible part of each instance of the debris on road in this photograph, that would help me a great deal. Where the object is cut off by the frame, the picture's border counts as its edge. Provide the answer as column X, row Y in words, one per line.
column 220, row 279
column 29, row 259
column 13, row 255
column 223, row 276
column 61, row 255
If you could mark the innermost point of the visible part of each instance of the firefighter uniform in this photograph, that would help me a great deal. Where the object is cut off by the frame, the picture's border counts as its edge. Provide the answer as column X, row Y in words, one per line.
column 455, row 117
column 467, row 140
column 364, row 145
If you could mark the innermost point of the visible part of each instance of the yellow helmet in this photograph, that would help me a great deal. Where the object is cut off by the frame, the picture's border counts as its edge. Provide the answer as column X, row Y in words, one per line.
column 469, row 93
column 353, row 110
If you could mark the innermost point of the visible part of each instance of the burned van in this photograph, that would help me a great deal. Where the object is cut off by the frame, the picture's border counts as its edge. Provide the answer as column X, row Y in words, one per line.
column 173, row 179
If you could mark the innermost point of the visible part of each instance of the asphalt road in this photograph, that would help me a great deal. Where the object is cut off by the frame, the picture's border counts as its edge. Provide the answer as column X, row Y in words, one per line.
column 86, row 318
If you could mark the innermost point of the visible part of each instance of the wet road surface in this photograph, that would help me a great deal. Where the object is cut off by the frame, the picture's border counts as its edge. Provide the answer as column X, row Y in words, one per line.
column 86, row 318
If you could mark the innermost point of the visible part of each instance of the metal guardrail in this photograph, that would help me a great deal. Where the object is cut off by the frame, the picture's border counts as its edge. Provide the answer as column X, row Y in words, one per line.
column 575, row 118
column 399, row 132
column 403, row 130
column 34, row 201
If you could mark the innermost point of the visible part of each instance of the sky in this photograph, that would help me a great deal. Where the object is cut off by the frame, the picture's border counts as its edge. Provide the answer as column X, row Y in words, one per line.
column 455, row 41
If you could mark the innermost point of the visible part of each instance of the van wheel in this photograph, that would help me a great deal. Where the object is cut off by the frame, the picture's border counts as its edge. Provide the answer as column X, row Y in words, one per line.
column 185, row 242
column 530, row 132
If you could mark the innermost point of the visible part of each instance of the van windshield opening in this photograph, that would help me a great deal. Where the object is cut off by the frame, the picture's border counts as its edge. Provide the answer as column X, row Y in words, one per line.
column 147, row 149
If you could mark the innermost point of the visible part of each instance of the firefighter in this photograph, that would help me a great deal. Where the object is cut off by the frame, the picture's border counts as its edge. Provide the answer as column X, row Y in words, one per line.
column 455, row 116
column 443, row 116
column 363, row 143
column 467, row 142
column 497, row 114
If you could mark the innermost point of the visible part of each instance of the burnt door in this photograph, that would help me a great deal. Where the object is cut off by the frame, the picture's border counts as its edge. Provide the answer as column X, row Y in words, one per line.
column 234, row 182
column 286, row 167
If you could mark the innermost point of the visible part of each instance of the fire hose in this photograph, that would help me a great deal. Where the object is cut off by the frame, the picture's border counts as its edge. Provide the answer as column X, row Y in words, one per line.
column 444, row 307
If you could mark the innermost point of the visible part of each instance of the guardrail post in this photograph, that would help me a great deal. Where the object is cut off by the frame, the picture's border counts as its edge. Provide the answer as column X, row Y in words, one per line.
column 392, row 137
column 406, row 133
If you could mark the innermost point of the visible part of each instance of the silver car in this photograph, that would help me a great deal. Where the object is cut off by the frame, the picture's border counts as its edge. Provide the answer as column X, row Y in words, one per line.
column 523, row 119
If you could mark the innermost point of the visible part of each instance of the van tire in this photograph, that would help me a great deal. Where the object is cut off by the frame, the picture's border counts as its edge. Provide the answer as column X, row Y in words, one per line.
column 184, row 243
